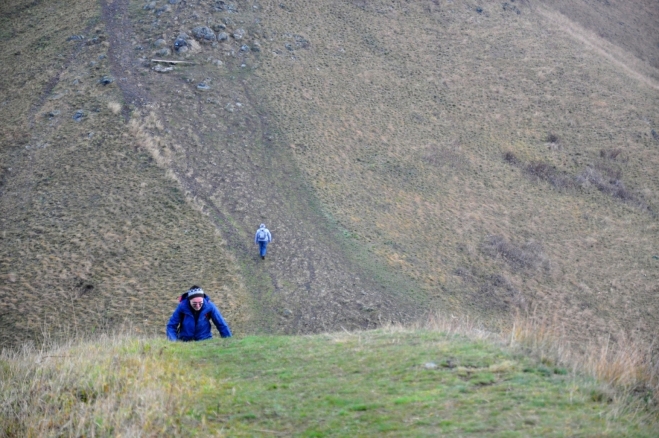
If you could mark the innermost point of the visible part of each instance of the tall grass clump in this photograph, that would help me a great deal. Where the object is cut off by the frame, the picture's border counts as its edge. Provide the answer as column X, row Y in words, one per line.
column 114, row 386
column 628, row 366
column 628, row 369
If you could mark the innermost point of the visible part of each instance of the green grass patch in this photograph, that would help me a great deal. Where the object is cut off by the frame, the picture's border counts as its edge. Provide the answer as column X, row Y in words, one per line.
column 375, row 383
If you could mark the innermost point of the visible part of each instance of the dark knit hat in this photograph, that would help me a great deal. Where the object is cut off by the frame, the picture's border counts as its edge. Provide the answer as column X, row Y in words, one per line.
column 195, row 291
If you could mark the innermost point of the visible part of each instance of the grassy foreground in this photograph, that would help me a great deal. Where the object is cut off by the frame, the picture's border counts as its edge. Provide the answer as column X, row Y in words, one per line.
column 389, row 382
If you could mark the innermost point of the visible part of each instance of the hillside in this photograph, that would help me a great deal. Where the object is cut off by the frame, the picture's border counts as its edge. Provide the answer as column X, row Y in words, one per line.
column 392, row 382
column 482, row 159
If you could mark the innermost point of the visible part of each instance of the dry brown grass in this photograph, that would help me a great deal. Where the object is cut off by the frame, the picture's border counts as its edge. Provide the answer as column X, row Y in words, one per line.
column 115, row 385
column 626, row 364
column 395, row 115
column 92, row 232
column 406, row 152
column 627, row 368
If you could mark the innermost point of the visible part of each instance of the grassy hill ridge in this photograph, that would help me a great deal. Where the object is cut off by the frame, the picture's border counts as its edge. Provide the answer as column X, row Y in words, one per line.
column 388, row 382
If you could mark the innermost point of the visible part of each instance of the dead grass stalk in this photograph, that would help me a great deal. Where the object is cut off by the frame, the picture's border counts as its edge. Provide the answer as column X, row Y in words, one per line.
column 115, row 385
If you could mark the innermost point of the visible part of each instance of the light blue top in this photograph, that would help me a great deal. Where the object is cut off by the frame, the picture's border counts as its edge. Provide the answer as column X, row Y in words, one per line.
column 268, row 236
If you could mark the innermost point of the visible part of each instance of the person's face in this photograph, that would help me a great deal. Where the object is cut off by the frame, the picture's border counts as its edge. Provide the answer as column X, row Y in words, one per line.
column 197, row 302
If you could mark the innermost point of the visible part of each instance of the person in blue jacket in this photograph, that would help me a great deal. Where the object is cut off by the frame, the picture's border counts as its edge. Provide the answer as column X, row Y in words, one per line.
column 191, row 321
column 262, row 238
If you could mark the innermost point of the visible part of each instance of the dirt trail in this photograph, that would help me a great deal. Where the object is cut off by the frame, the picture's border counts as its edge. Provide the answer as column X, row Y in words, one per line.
column 119, row 26
column 229, row 163
column 629, row 64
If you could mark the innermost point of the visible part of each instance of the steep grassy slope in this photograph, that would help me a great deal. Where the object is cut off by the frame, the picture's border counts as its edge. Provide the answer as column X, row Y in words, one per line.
column 376, row 383
column 93, row 233
column 406, row 155
column 632, row 26
column 500, row 156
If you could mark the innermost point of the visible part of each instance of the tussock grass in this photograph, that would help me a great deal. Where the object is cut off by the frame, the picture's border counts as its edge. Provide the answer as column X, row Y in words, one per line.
column 115, row 107
column 628, row 365
column 108, row 387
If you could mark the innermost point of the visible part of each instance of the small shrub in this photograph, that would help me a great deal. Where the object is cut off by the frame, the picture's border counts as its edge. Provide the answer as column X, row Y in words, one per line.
column 552, row 138
column 611, row 184
column 543, row 171
column 464, row 273
column 611, row 154
column 510, row 158
column 528, row 256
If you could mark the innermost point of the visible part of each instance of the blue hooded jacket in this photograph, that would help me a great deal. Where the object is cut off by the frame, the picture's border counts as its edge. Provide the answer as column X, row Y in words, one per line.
column 182, row 325
column 268, row 236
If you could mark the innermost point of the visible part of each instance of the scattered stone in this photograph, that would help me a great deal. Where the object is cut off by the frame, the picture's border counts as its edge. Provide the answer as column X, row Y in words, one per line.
column 102, row 56
column 78, row 116
column 204, row 33
column 149, row 6
column 256, row 47
column 222, row 36
column 139, row 48
column 244, row 48
column 164, row 52
column 287, row 313
column 163, row 9
column 181, row 43
column 301, row 42
column 479, row 10
column 203, row 86
column 75, row 38
column 218, row 27
column 217, row 62
column 106, row 80
column 95, row 40
column 655, row 134
column 159, row 43
column 173, row 2
column 162, row 69
column 53, row 113
column 289, row 47
column 239, row 34
column 509, row 7
column 430, row 365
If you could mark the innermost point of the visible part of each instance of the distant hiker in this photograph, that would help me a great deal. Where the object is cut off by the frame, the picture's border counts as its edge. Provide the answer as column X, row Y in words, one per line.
column 262, row 238
column 191, row 321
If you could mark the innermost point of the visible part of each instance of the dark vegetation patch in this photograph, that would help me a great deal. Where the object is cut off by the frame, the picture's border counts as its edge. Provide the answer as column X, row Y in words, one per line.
column 540, row 171
column 614, row 154
column 604, row 177
column 492, row 291
column 552, row 138
column 608, row 181
column 527, row 256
